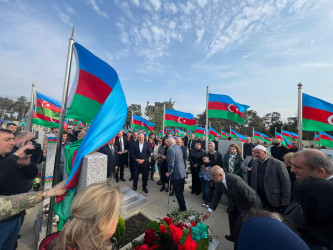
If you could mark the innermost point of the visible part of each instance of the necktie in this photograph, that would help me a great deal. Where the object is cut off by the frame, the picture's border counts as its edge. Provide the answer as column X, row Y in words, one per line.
column 112, row 151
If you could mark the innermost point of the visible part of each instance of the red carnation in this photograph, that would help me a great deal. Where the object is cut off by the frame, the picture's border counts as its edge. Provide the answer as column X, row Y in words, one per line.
column 162, row 229
column 150, row 237
column 168, row 220
column 193, row 224
column 189, row 244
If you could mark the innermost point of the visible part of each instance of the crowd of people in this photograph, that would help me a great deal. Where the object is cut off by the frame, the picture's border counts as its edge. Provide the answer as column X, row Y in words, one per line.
column 283, row 189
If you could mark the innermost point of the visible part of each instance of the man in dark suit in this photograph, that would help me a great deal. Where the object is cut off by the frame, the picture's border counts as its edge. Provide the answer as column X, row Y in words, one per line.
column 177, row 171
column 278, row 151
column 185, row 139
column 247, row 148
column 111, row 150
column 122, row 145
column 306, row 163
column 131, row 143
column 141, row 153
column 191, row 143
column 271, row 180
column 241, row 198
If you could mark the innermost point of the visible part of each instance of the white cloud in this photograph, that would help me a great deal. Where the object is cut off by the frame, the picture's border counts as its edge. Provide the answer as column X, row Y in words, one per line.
column 248, row 55
column 63, row 16
column 200, row 34
column 96, row 8
column 202, row 3
column 136, row 2
column 228, row 74
column 156, row 4
column 170, row 7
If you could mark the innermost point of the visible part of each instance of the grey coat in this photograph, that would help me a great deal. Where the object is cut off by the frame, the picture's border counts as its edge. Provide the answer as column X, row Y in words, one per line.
column 175, row 159
column 277, row 182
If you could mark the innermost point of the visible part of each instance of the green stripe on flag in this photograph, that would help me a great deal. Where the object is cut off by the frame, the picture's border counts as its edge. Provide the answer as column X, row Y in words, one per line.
column 260, row 138
column 44, row 123
column 83, row 109
column 326, row 143
column 169, row 123
column 47, row 112
column 310, row 125
column 214, row 113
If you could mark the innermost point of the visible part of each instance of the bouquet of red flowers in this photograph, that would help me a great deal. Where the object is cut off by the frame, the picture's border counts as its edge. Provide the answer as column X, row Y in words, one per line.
column 169, row 235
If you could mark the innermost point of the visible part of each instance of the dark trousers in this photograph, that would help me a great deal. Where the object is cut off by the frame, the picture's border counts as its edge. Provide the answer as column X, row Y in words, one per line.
column 152, row 167
column 233, row 217
column 178, row 188
column 121, row 163
column 143, row 168
column 131, row 167
column 196, row 185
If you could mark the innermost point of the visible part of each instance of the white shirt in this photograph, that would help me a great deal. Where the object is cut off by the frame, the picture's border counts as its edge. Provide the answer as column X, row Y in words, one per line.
column 122, row 144
column 141, row 146
column 111, row 147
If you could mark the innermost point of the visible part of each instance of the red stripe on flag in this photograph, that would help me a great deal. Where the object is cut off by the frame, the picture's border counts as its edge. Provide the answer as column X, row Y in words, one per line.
column 140, row 123
column 92, row 87
column 325, row 137
column 224, row 106
column 47, row 105
column 45, row 118
column 213, row 133
column 180, row 119
column 316, row 114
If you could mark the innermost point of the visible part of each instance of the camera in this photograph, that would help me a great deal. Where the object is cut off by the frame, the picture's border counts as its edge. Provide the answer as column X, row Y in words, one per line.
column 37, row 150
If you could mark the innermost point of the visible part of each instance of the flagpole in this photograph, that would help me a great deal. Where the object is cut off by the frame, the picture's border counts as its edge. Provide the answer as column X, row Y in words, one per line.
column 31, row 107
column 206, row 141
column 132, row 123
column 209, row 125
column 253, row 133
column 300, row 115
column 61, row 128
column 275, row 132
column 319, row 139
column 230, row 132
column 163, row 120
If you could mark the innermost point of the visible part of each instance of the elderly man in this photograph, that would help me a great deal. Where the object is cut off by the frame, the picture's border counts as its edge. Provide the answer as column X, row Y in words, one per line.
column 131, row 143
column 306, row 163
column 12, row 181
column 122, row 144
column 271, row 180
column 214, row 156
column 278, row 151
column 180, row 143
column 141, row 153
column 247, row 148
column 111, row 150
column 176, row 171
column 241, row 198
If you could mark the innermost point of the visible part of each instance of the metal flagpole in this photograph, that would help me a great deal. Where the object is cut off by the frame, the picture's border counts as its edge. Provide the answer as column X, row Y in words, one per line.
column 132, row 123
column 206, row 141
column 209, row 125
column 300, row 115
column 319, row 139
column 275, row 132
column 230, row 132
column 163, row 120
column 31, row 107
column 61, row 128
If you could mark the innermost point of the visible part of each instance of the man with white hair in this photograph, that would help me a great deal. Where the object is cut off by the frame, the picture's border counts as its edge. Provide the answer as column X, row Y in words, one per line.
column 176, row 169
column 271, row 181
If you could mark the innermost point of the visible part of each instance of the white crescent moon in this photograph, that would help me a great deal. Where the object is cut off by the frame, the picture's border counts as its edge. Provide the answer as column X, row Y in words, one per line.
column 330, row 119
column 51, row 119
column 229, row 107
column 42, row 104
column 179, row 120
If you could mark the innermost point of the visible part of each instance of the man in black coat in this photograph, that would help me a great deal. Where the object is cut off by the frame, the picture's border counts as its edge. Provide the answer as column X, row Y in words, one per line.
column 195, row 165
column 241, row 198
column 278, row 151
column 122, row 145
column 132, row 141
column 185, row 139
column 141, row 152
column 247, row 148
column 111, row 150
column 191, row 143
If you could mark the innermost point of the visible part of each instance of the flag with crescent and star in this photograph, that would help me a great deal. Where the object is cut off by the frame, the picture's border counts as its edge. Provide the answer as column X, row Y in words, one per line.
column 175, row 118
column 199, row 132
column 289, row 135
column 223, row 106
column 213, row 133
column 43, row 120
column 234, row 134
column 47, row 106
column 317, row 114
column 261, row 136
column 141, row 123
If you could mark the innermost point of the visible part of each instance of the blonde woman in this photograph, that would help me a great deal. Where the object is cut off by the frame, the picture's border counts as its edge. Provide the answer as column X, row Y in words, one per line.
column 94, row 217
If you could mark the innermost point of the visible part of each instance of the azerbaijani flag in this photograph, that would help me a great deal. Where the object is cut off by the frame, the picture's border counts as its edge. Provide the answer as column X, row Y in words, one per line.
column 317, row 114
column 326, row 140
column 66, row 124
column 189, row 132
column 160, row 134
column 109, row 120
column 317, row 139
column 174, row 118
column 234, row 134
column 212, row 133
column 223, row 106
column 289, row 135
column 224, row 135
column 169, row 130
column 42, row 120
column 94, row 81
column 284, row 141
column 47, row 106
column 179, row 132
column 2, row 121
column 261, row 136
column 141, row 123
column 199, row 132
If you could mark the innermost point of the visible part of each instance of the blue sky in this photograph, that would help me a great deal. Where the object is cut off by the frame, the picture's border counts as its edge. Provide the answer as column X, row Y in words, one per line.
column 256, row 51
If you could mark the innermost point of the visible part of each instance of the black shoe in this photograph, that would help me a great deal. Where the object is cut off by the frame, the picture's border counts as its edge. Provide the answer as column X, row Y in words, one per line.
column 192, row 192
column 152, row 178
column 162, row 189
column 197, row 193
column 134, row 188
column 229, row 238
column 167, row 189
column 145, row 190
column 122, row 179
column 172, row 193
column 159, row 182
column 131, row 179
column 117, row 180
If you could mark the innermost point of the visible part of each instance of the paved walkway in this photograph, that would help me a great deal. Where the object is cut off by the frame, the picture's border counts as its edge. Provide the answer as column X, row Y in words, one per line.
column 156, row 206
